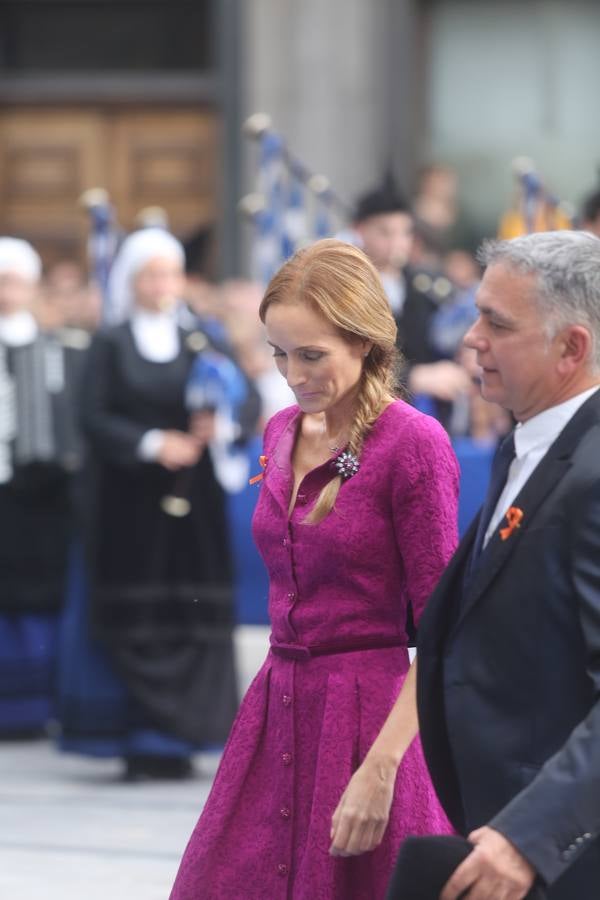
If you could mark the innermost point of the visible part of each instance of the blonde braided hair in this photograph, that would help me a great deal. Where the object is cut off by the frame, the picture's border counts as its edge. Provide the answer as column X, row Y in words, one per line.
column 341, row 284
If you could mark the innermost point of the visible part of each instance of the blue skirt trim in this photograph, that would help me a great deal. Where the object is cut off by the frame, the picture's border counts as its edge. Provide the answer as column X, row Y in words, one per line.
column 28, row 647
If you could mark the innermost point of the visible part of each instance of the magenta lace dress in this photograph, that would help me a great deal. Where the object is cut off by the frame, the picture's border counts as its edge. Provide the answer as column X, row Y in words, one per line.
column 341, row 589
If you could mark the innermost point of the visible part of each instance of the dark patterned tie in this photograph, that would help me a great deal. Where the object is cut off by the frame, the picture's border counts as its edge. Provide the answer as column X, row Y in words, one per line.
column 500, row 466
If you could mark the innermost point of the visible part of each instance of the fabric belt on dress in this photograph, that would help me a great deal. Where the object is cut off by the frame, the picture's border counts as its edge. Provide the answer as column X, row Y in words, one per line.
column 300, row 652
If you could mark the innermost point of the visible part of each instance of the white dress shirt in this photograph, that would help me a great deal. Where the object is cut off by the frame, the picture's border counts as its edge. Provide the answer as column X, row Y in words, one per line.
column 533, row 439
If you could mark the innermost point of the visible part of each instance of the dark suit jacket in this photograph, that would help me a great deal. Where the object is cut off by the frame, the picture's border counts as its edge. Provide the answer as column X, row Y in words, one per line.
column 509, row 672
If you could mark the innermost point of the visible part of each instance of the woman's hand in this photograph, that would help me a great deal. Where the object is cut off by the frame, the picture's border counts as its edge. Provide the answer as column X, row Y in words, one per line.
column 203, row 427
column 178, row 450
column 361, row 817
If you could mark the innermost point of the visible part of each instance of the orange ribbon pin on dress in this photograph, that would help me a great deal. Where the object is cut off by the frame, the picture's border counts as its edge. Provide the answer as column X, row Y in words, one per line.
column 514, row 517
column 256, row 478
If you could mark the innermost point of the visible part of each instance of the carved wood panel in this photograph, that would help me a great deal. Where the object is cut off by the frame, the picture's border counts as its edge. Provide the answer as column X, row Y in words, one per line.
column 169, row 159
column 48, row 157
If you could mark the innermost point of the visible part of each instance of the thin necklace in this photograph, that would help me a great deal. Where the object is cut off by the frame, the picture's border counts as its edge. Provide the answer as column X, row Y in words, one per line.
column 337, row 446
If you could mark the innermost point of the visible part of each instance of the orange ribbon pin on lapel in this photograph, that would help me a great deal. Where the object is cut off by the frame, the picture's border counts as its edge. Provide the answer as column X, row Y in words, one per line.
column 256, row 478
column 514, row 517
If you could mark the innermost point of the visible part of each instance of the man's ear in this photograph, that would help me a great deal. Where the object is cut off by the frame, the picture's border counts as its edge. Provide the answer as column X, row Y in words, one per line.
column 575, row 345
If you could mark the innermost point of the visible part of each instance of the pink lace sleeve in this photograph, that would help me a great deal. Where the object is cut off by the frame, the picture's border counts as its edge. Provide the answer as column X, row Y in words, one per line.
column 425, row 486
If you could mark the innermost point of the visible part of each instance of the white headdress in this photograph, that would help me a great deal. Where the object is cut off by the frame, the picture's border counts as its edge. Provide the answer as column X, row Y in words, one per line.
column 136, row 250
column 20, row 257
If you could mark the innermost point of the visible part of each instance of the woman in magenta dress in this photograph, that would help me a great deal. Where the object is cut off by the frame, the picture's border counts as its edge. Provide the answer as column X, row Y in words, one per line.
column 323, row 775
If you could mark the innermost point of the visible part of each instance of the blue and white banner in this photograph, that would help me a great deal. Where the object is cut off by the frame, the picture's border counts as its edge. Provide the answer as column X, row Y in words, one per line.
column 102, row 242
column 292, row 207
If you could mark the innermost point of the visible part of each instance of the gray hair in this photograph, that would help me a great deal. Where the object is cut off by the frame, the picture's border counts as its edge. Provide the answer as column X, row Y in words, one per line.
column 566, row 265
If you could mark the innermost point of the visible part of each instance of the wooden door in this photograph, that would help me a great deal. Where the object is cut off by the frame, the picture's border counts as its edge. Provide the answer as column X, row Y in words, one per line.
column 49, row 156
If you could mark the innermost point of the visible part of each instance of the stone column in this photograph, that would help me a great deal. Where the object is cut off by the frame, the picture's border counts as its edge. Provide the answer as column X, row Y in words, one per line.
column 337, row 78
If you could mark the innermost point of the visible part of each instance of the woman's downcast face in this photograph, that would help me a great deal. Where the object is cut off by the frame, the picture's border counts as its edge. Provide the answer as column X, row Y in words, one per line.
column 321, row 367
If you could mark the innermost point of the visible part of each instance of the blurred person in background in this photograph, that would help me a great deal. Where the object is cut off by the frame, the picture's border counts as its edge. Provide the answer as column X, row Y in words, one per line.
column 67, row 299
column 384, row 224
column 449, row 323
column 480, row 421
column 435, row 205
column 463, row 270
column 160, row 573
column 427, row 251
column 39, row 455
column 590, row 213
column 240, row 301
column 203, row 303
column 205, row 309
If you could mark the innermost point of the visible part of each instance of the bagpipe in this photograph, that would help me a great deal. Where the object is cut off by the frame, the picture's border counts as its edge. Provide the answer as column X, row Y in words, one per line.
column 292, row 205
column 535, row 207
column 215, row 387
column 215, row 384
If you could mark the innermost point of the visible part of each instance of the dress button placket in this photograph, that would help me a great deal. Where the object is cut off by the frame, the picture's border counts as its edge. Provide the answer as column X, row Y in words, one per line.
column 283, row 810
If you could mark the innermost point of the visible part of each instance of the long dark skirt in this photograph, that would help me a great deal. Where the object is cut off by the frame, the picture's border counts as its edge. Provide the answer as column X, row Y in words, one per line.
column 162, row 598
column 97, row 715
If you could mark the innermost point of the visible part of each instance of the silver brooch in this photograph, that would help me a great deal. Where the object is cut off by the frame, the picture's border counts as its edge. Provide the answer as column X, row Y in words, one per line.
column 347, row 464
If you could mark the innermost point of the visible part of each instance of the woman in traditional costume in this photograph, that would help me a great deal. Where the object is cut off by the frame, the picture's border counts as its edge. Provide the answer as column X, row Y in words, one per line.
column 157, row 548
column 39, row 454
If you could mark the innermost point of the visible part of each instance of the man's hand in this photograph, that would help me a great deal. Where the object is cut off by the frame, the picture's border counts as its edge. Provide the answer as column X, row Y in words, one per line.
column 444, row 380
column 494, row 870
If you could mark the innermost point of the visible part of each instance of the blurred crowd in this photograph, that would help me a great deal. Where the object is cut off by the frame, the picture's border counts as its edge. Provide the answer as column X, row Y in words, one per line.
column 117, row 455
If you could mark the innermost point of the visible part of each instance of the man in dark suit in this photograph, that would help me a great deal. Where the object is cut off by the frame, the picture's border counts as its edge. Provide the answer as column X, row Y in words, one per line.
column 509, row 645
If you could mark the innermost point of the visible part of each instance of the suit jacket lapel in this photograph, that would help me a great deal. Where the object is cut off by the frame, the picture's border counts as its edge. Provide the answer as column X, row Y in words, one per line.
column 543, row 479
column 497, row 552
